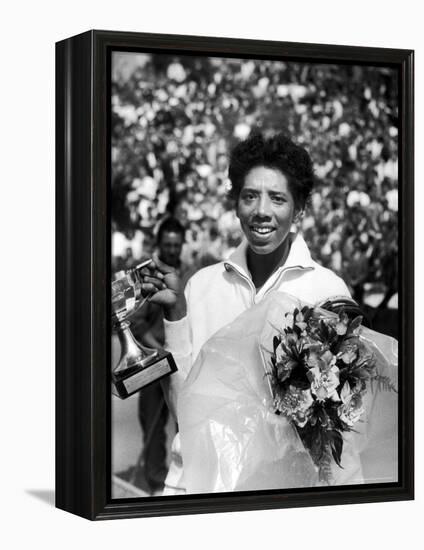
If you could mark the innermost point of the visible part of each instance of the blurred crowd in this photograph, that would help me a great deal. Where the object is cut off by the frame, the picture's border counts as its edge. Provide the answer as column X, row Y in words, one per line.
column 174, row 120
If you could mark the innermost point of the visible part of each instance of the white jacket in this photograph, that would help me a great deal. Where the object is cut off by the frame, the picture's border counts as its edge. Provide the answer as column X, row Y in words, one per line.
column 217, row 294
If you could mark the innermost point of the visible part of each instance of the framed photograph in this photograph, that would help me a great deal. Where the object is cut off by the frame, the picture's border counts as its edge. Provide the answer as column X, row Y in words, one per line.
column 235, row 296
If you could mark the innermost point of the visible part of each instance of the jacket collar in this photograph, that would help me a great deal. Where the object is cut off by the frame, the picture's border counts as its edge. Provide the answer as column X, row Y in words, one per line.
column 299, row 256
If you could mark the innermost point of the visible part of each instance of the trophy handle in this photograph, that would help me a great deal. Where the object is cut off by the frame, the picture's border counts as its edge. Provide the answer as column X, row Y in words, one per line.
column 139, row 305
column 134, row 275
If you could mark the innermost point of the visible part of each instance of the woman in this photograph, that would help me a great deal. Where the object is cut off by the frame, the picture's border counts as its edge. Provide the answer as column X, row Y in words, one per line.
column 271, row 181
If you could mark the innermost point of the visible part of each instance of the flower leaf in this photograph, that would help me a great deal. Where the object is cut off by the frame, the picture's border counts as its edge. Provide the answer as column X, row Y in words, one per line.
column 336, row 443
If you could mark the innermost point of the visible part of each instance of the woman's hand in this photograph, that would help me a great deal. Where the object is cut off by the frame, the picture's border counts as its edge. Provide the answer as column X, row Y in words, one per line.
column 163, row 288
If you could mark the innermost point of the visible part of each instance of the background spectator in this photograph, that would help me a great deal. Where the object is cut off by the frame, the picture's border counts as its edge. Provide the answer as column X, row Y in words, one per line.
column 175, row 118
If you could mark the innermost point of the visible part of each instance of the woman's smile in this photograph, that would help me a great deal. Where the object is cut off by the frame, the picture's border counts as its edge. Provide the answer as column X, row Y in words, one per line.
column 261, row 230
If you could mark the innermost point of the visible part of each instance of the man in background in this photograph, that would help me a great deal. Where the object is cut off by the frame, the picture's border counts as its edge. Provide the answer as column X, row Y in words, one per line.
column 147, row 327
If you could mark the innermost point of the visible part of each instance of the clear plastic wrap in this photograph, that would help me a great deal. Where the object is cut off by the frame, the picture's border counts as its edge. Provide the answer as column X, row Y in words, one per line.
column 231, row 439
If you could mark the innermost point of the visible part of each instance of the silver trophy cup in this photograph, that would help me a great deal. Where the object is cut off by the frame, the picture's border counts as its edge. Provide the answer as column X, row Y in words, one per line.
column 138, row 366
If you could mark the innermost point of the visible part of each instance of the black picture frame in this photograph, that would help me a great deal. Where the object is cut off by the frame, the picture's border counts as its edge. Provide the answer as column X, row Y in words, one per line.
column 83, row 275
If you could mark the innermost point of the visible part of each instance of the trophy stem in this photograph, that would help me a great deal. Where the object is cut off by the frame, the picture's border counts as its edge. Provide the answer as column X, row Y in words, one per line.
column 132, row 353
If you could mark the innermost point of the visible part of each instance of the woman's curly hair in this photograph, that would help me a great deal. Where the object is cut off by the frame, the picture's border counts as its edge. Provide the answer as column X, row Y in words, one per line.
column 278, row 152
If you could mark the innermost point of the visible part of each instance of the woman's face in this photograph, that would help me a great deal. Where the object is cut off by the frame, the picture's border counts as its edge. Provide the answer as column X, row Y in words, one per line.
column 266, row 209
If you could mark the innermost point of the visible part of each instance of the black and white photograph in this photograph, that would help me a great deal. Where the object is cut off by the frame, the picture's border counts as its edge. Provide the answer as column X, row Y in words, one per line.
column 254, row 257
column 212, row 228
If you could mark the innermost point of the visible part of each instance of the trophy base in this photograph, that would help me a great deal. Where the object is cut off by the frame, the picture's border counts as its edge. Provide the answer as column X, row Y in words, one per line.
column 133, row 379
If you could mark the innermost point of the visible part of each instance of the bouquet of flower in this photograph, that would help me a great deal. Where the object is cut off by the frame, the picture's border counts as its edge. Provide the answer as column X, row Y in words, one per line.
column 320, row 371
